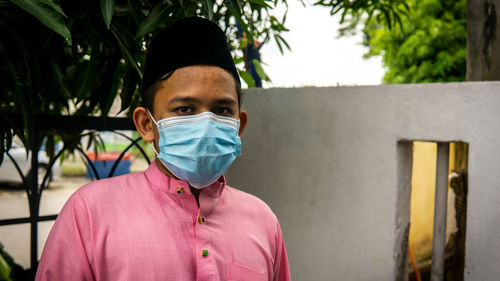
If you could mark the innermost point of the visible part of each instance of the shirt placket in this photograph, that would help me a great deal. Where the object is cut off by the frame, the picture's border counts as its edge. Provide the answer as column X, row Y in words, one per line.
column 205, row 252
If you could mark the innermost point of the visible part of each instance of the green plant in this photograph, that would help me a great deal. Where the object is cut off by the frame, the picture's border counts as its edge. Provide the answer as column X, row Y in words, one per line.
column 387, row 13
column 431, row 46
column 74, row 57
column 419, row 41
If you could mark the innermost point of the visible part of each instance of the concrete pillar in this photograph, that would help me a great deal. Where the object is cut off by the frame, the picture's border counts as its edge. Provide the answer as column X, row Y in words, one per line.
column 483, row 40
column 440, row 208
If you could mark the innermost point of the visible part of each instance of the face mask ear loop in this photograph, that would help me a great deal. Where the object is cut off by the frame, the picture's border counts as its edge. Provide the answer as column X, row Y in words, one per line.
column 152, row 118
column 152, row 145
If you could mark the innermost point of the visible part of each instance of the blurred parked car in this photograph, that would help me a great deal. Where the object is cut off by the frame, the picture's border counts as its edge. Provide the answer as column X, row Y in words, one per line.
column 9, row 173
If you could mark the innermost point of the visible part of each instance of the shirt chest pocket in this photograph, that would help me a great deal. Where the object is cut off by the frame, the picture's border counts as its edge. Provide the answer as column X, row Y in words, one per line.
column 236, row 272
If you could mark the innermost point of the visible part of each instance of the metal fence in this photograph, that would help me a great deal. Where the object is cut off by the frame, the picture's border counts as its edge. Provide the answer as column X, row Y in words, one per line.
column 33, row 187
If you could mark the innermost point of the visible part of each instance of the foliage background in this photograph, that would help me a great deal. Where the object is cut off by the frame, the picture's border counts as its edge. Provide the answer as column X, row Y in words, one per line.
column 74, row 57
column 430, row 46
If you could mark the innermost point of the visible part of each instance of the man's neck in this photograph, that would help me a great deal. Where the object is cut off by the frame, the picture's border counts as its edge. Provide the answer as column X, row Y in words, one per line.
column 194, row 191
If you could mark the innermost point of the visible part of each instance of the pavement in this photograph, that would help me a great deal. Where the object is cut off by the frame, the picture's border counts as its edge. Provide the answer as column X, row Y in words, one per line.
column 14, row 204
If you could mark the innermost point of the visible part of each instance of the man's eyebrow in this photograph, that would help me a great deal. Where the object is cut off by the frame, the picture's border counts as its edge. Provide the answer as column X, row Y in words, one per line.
column 185, row 100
column 225, row 101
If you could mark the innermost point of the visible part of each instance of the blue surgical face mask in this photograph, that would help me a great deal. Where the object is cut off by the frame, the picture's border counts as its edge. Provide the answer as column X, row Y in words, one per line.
column 198, row 148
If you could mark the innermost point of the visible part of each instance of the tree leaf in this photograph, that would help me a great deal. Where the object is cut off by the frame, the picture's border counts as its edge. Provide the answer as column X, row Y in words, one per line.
column 107, row 8
column 278, row 43
column 126, row 52
column 238, row 2
column 112, row 93
column 247, row 77
column 88, row 72
column 8, row 145
column 209, row 7
column 158, row 15
column 284, row 42
column 20, row 92
column 238, row 60
column 260, row 70
column 128, row 89
column 2, row 143
column 238, row 18
column 46, row 15
column 54, row 6
column 260, row 2
column 50, row 146
column 388, row 19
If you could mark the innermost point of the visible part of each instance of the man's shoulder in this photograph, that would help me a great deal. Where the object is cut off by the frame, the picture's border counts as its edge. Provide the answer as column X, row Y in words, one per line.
column 109, row 188
column 250, row 203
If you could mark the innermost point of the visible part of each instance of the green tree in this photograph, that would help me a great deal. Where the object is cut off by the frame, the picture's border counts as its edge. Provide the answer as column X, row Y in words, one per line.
column 430, row 46
column 74, row 57
column 387, row 13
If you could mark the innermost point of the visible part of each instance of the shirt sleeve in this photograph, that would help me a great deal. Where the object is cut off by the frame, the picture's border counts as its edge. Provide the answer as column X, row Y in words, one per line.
column 66, row 255
column 281, row 268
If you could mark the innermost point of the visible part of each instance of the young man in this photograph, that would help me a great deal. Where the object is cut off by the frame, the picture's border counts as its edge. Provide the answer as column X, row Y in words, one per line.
column 178, row 220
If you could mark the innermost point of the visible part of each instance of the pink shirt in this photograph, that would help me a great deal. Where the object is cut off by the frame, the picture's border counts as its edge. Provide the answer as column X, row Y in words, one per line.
column 147, row 226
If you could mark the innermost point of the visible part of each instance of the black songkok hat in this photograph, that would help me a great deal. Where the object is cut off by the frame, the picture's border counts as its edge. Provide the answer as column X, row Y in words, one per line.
column 189, row 41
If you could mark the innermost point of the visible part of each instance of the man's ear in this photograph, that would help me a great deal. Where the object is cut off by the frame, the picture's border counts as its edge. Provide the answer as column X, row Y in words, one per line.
column 243, row 121
column 144, row 124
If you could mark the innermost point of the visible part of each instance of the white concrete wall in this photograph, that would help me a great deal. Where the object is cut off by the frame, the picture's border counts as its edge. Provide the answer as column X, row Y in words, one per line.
column 326, row 160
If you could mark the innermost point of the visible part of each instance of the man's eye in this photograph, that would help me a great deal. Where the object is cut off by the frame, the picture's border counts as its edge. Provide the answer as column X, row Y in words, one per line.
column 221, row 111
column 184, row 109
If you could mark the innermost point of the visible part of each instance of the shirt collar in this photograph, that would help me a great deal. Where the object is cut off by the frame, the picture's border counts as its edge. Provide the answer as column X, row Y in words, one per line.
column 163, row 183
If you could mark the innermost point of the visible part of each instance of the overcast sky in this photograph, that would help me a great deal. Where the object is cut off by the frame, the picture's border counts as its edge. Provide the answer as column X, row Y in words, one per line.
column 318, row 57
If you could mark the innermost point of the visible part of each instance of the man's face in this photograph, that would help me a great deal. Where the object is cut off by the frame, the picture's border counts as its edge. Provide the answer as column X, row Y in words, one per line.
column 191, row 90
